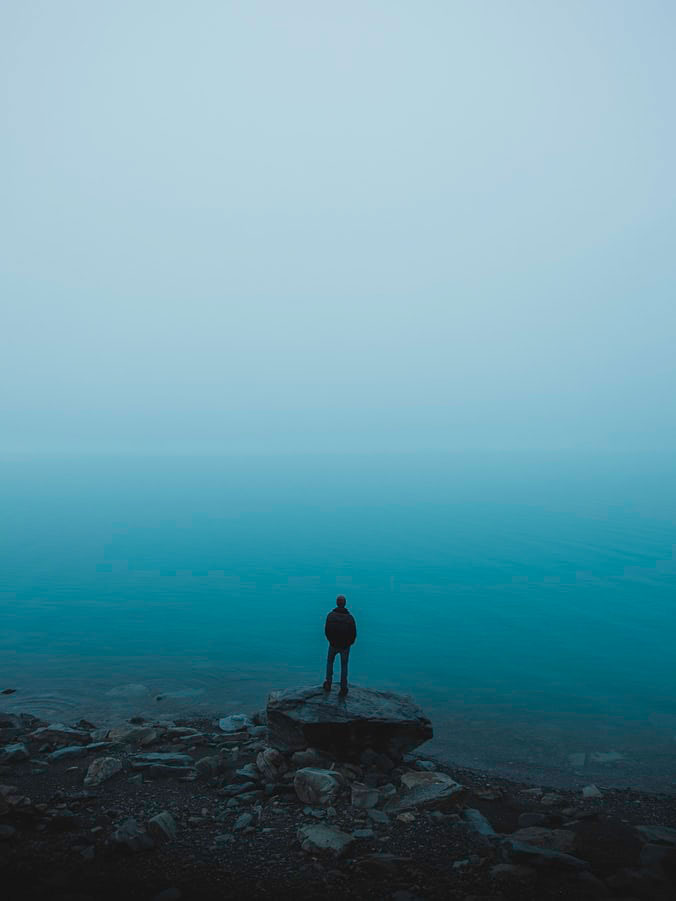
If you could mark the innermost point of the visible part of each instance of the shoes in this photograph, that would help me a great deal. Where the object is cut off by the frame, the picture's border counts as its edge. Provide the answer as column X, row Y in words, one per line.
column 326, row 686
column 342, row 692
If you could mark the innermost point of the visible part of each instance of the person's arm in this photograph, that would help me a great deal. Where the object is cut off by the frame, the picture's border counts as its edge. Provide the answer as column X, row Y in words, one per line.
column 354, row 630
column 326, row 628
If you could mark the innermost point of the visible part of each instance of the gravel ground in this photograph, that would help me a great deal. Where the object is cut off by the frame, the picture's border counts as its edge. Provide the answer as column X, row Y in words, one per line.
column 60, row 842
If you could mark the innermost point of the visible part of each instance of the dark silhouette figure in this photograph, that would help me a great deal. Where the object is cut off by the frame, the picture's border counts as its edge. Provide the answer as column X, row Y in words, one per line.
column 341, row 632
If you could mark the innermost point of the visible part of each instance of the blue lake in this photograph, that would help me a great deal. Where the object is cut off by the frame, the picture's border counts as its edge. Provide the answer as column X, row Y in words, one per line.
column 526, row 601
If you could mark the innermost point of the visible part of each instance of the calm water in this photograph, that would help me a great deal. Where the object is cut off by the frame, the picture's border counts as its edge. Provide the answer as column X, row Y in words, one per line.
column 528, row 603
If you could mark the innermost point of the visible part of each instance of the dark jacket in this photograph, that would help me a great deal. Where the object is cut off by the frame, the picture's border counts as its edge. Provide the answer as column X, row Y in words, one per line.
column 340, row 628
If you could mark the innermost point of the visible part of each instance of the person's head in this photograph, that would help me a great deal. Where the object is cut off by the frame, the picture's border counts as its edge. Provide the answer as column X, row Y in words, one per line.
column 340, row 600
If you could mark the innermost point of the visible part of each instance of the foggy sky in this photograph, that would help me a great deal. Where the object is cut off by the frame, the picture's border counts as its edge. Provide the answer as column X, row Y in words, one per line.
column 357, row 225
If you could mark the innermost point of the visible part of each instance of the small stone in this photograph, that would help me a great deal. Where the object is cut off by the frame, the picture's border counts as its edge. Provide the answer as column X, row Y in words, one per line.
column 70, row 751
column 533, row 819
column 242, row 821
column 101, row 769
column 550, row 799
column 208, row 766
column 162, row 827
column 236, row 722
column 14, row 753
column 591, row 791
column 425, row 765
column 363, row 833
column 378, row 816
column 407, row 817
column 315, row 786
column 129, row 834
column 58, row 733
column 319, row 838
column 555, row 839
column 364, row 797
column 6, row 833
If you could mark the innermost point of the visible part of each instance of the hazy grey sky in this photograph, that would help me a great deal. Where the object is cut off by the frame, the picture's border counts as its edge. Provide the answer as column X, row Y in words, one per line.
column 307, row 225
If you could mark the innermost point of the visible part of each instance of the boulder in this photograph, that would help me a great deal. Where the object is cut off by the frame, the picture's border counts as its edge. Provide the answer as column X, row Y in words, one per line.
column 101, row 769
column 309, row 717
column 316, row 787
column 324, row 838
column 423, row 790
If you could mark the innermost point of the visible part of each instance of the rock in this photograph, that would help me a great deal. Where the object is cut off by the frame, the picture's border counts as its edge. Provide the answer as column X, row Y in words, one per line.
column 58, row 734
column 308, row 757
column 14, row 753
column 591, row 791
column 168, row 759
column 378, row 816
column 223, row 838
column 247, row 773
column 363, row 833
column 550, row 799
column 659, row 835
column 424, row 790
column 308, row 717
column 208, row 766
column 7, row 691
column 478, row 823
column 534, row 856
column 101, row 769
column 70, row 751
column 513, row 873
column 320, row 838
column 7, row 833
column 554, row 839
column 134, row 735
column 533, row 819
column 236, row 722
column 242, row 821
column 406, row 817
column 131, row 836
column 316, row 787
column 426, row 766
column 271, row 763
column 162, row 827
column 363, row 796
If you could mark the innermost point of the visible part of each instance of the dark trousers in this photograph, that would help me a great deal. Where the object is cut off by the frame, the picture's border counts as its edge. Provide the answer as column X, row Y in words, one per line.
column 344, row 654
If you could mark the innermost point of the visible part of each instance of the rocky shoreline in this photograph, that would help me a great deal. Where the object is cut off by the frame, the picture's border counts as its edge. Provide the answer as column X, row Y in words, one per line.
column 224, row 807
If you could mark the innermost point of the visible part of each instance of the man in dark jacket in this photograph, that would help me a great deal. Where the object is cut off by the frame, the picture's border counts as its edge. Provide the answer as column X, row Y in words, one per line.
column 341, row 632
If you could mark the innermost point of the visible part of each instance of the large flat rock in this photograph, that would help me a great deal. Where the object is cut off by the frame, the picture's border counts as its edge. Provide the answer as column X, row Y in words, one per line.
column 310, row 718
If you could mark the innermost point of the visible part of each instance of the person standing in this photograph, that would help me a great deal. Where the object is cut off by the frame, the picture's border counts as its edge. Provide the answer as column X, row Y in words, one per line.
column 341, row 633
